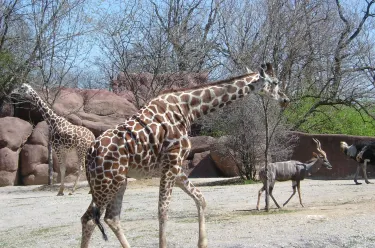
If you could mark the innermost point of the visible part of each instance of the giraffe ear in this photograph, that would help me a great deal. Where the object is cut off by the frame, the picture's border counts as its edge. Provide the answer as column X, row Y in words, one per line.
column 261, row 71
column 269, row 69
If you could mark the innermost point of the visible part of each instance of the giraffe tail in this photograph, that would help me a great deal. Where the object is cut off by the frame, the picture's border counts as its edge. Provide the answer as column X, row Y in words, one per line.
column 96, row 215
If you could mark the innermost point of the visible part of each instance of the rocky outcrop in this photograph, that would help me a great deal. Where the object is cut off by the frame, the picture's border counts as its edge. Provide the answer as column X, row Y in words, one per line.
column 13, row 135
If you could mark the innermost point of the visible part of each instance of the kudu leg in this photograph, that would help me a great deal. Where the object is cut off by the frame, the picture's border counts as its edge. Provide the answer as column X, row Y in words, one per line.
column 294, row 185
column 299, row 193
column 259, row 195
column 271, row 189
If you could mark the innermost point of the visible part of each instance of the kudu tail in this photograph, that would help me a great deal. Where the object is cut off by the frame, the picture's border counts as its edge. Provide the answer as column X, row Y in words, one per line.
column 96, row 215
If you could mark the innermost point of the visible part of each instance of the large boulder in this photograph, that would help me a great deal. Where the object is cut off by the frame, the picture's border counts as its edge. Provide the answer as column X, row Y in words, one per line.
column 224, row 162
column 8, row 166
column 13, row 134
column 203, row 166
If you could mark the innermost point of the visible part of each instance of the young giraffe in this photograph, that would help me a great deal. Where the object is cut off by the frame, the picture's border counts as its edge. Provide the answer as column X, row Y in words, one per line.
column 155, row 142
column 65, row 136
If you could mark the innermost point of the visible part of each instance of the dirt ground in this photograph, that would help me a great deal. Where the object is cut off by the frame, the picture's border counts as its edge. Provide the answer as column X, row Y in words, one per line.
column 336, row 214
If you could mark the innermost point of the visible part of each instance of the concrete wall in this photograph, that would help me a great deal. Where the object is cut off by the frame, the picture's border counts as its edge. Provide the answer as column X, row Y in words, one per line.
column 343, row 167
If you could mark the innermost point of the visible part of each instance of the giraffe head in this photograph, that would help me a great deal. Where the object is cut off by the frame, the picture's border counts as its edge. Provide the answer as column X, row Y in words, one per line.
column 23, row 89
column 269, row 85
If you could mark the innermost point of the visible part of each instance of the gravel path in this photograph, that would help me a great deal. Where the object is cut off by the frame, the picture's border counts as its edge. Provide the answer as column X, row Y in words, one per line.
column 336, row 214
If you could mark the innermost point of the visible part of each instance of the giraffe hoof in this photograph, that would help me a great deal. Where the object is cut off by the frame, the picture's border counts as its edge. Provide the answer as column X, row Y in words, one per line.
column 357, row 183
column 70, row 193
column 369, row 182
column 60, row 194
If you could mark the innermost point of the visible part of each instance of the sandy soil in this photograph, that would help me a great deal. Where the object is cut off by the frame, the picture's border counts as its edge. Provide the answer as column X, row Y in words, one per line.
column 336, row 214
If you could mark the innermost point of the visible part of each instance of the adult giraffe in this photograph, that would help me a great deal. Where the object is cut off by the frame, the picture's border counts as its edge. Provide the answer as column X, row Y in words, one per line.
column 155, row 142
column 64, row 135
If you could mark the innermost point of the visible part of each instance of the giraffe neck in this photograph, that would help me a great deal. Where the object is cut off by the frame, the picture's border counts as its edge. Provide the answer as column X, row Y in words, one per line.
column 48, row 114
column 191, row 104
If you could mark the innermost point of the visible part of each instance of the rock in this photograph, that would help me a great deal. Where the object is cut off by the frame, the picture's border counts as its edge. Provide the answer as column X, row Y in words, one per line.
column 203, row 166
column 8, row 166
column 224, row 162
column 14, row 132
column 39, row 135
column 201, row 144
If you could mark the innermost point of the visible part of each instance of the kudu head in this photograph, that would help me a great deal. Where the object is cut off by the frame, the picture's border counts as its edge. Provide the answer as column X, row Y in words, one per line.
column 321, row 156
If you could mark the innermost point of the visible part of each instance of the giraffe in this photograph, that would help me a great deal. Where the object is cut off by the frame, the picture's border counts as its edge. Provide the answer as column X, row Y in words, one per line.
column 154, row 142
column 64, row 135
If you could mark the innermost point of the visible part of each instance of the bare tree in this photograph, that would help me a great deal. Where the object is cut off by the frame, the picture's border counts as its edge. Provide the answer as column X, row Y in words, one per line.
column 248, row 144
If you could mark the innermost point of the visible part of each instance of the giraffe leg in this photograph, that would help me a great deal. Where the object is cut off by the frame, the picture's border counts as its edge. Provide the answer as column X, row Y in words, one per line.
column 167, row 182
column 299, row 192
column 294, row 185
column 356, row 175
column 112, row 216
column 274, row 200
column 81, row 156
column 183, row 182
column 364, row 169
column 62, row 173
column 259, row 195
column 88, row 226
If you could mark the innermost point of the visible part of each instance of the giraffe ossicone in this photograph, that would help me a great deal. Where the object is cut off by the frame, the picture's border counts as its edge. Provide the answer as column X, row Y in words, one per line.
column 154, row 142
column 64, row 135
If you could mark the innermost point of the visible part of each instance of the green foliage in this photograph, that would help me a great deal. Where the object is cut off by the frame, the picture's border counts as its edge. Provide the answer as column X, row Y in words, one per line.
column 331, row 119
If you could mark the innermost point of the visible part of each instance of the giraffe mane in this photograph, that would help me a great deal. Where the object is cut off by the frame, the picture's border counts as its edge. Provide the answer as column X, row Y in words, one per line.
column 202, row 86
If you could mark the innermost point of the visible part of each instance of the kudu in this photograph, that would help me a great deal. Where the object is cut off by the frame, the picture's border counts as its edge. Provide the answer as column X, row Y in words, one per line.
column 292, row 170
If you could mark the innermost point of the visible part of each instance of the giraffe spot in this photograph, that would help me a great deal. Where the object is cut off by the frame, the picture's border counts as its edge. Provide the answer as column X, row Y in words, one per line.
column 249, row 79
column 123, row 160
column 212, row 110
column 240, row 84
column 251, row 87
column 114, row 170
column 221, row 105
column 206, row 96
column 225, row 98
column 234, row 97
column 218, row 91
column 172, row 156
column 205, row 109
column 100, row 176
column 231, row 89
column 112, row 147
column 172, row 99
column 240, row 92
column 159, row 118
column 107, row 174
column 197, row 113
column 104, row 141
column 137, row 158
column 185, row 98
column 229, row 102
column 97, row 182
column 107, row 165
column 99, row 169
column 195, row 101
